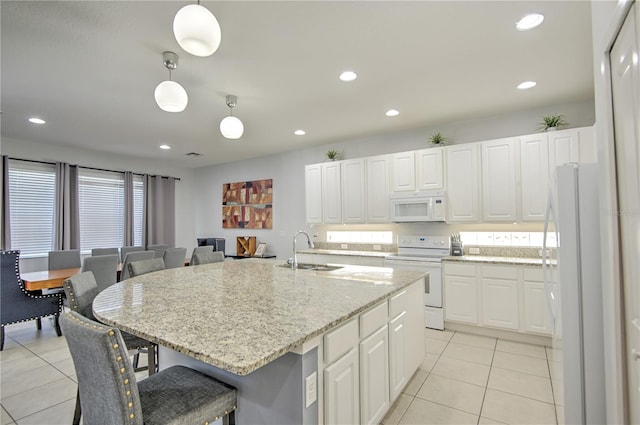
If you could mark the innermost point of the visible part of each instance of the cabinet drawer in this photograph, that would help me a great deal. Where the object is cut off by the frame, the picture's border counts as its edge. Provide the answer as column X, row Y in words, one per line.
column 460, row 269
column 373, row 320
column 534, row 275
column 341, row 340
column 398, row 303
column 500, row 272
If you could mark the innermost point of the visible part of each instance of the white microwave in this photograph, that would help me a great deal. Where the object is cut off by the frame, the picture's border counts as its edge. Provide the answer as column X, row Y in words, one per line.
column 418, row 206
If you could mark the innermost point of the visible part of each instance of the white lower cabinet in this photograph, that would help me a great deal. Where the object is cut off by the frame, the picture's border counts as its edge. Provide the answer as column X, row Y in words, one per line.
column 461, row 293
column 536, row 308
column 498, row 296
column 342, row 390
column 397, row 355
column 374, row 377
column 371, row 358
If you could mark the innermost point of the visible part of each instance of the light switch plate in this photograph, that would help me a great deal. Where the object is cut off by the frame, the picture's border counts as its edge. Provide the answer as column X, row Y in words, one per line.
column 344, row 246
column 377, row 248
column 474, row 250
column 311, row 392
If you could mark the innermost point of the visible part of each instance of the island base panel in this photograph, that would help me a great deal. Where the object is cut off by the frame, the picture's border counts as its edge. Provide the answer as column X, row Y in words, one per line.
column 273, row 394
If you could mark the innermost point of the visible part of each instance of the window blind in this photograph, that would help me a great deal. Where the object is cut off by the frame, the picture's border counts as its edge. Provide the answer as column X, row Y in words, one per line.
column 138, row 208
column 32, row 189
column 101, row 204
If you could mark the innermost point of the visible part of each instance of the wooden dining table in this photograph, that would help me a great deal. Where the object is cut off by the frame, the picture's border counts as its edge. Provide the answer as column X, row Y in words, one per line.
column 50, row 279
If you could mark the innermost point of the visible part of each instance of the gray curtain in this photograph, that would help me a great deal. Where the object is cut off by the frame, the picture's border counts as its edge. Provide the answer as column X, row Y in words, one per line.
column 159, row 210
column 5, row 225
column 67, row 212
column 128, row 208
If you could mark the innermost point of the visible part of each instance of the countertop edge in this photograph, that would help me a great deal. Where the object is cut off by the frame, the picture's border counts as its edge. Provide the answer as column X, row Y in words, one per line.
column 479, row 259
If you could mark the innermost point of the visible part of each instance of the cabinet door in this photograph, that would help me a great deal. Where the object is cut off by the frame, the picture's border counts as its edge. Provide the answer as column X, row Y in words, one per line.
column 536, row 311
column 429, row 164
column 461, row 299
column 499, row 180
column 397, row 355
column 404, row 172
column 353, row 191
column 331, row 193
column 342, row 390
column 534, row 176
column 374, row 377
column 463, row 183
column 564, row 147
column 378, row 189
column 500, row 296
column 313, row 193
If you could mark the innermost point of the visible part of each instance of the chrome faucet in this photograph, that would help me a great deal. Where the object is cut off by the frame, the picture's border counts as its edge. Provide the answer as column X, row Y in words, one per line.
column 294, row 263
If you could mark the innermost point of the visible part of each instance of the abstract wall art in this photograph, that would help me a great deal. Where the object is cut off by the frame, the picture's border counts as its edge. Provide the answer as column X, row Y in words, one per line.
column 247, row 205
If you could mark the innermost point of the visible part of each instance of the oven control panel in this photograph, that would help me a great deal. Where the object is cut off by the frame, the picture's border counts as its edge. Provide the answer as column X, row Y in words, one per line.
column 416, row 241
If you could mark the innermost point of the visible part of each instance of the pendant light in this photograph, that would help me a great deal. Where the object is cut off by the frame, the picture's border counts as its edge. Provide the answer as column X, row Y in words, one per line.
column 171, row 96
column 196, row 30
column 231, row 127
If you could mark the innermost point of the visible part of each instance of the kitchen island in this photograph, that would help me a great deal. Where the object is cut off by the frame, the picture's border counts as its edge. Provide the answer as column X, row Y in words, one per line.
column 270, row 331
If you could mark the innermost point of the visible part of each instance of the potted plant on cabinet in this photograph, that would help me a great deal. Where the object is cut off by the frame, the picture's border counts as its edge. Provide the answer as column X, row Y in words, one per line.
column 437, row 139
column 553, row 122
column 333, row 154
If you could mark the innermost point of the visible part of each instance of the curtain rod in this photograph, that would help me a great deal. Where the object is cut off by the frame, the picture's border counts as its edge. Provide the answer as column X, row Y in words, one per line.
column 94, row 168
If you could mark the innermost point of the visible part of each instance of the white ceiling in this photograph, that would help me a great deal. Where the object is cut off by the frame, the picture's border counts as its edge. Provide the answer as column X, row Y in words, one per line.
column 89, row 68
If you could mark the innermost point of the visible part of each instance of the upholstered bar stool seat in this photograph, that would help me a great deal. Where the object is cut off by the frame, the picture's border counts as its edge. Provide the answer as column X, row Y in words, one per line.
column 110, row 395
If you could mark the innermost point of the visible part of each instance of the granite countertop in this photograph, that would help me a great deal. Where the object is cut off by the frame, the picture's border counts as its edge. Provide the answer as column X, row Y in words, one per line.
column 241, row 315
column 497, row 260
column 345, row 252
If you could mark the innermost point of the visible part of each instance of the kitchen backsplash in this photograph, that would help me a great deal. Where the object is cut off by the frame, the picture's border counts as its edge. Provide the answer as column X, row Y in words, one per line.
column 504, row 251
column 357, row 246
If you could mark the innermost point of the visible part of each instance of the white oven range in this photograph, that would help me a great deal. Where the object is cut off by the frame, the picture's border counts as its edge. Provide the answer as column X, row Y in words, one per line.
column 424, row 253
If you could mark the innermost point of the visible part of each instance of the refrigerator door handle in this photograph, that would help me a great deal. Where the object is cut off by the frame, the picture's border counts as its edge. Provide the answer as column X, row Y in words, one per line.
column 546, row 273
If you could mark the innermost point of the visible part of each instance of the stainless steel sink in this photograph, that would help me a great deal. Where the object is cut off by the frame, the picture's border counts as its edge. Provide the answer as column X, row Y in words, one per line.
column 315, row 267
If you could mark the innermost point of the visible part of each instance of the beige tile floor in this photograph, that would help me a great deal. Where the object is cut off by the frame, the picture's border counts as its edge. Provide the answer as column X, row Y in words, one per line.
column 463, row 379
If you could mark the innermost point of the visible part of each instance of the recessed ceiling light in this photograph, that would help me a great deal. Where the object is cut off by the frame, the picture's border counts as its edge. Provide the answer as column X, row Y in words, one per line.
column 526, row 85
column 299, row 132
column 348, row 76
column 34, row 120
column 529, row 22
column 165, row 147
column 392, row 113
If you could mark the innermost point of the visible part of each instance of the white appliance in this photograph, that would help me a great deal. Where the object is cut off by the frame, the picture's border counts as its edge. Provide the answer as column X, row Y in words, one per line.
column 424, row 253
column 575, row 300
column 418, row 206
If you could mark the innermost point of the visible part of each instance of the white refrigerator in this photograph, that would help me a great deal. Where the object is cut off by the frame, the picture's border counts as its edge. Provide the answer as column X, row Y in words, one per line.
column 575, row 299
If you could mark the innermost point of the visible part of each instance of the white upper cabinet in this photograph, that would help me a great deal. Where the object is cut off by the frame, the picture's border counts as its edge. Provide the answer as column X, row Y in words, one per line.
column 404, row 172
column 353, row 191
column 331, row 192
column 378, row 189
column 534, row 176
column 463, row 183
column 429, row 164
column 564, row 147
column 313, row 193
column 499, row 180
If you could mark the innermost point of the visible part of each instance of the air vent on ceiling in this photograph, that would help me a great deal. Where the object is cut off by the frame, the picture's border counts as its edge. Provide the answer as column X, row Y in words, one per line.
column 194, row 154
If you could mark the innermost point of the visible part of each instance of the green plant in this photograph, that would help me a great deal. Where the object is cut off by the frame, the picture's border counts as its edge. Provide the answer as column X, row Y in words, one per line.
column 333, row 154
column 555, row 120
column 437, row 139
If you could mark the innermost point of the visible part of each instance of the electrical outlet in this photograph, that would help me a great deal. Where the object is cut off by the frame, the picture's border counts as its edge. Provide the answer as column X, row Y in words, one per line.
column 344, row 246
column 474, row 251
column 377, row 248
column 311, row 383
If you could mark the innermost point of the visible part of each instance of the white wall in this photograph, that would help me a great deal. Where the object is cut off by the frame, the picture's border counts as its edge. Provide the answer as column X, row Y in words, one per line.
column 185, row 227
column 287, row 171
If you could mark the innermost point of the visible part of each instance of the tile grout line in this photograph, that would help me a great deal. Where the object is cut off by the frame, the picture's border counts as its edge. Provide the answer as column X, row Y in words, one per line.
column 484, row 395
column 553, row 393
